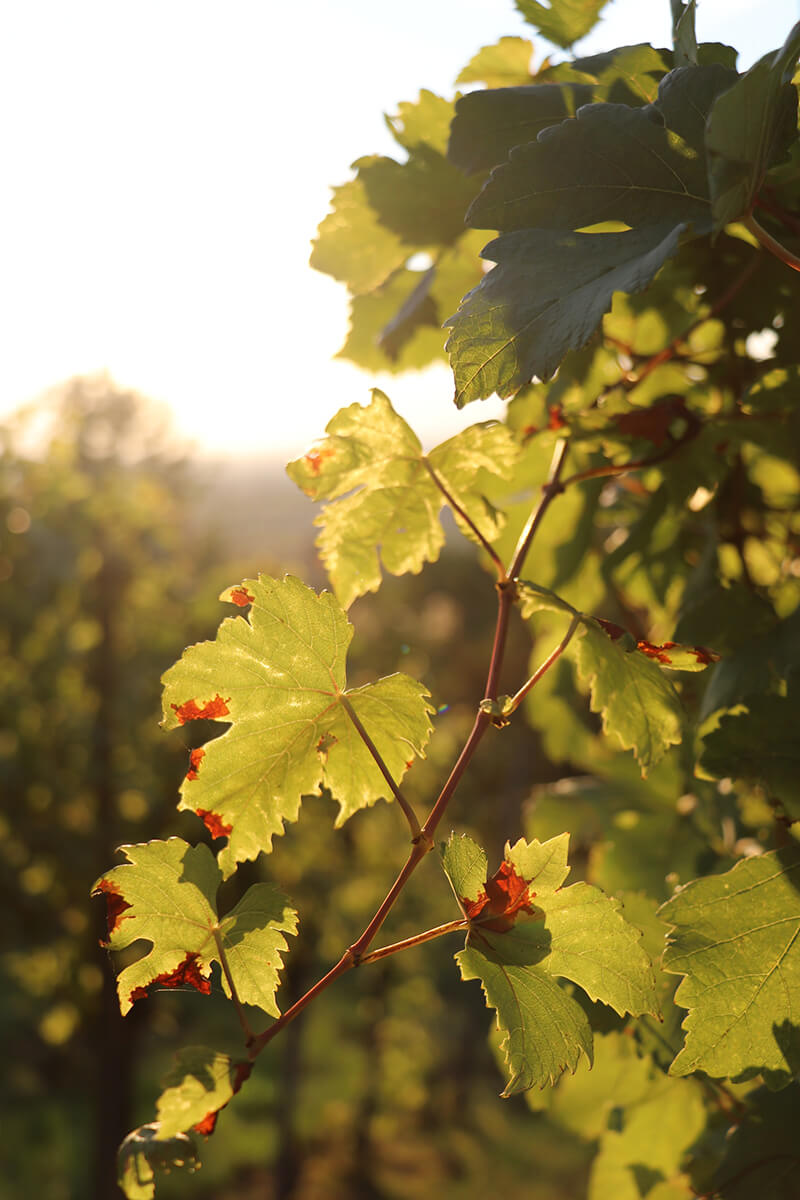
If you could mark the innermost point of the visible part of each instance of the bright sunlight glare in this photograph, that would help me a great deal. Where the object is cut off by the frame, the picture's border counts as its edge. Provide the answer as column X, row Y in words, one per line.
column 167, row 165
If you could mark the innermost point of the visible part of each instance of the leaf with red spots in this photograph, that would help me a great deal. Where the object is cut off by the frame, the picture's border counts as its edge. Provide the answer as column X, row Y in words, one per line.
column 195, row 758
column 282, row 669
column 391, row 516
column 575, row 933
column 169, row 891
column 210, row 710
column 240, row 597
column 115, row 905
column 200, row 1084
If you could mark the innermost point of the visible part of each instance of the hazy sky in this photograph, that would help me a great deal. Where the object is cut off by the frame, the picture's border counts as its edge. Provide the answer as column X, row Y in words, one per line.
column 166, row 163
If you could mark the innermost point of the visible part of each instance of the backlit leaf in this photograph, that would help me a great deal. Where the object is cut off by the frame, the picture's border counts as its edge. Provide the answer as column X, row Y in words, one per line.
column 735, row 939
column 390, row 519
column 143, row 1153
column 546, row 296
column 201, row 1082
column 562, row 21
column 527, row 931
column 353, row 245
column 504, row 64
column 278, row 677
column 750, row 128
column 166, row 894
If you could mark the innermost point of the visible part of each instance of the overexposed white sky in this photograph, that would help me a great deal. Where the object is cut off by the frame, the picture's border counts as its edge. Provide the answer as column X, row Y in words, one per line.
column 165, row 165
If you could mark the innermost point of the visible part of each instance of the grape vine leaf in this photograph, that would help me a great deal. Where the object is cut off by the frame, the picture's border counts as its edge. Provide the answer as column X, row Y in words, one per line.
column 279, row 679
column 735, row 939
column 505, row 63
column 761, row 1152
column 546, row 296
column 637, row 703
column 562, row 22
column 166, row 894
column 525, row 932
column 391, row 516
column 143, row 1153
column 750, row 129
column 200, row 1084
column 353, row 245
column 648, row 165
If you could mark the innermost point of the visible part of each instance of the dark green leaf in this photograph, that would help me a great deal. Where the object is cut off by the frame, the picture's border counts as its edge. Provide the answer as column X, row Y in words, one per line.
column 627, row 75
column 562, row 21
column 545, row 297
column 683, row 34
column 761, row 1152
column 735, row 940
column 750, row 129
column 422, row 201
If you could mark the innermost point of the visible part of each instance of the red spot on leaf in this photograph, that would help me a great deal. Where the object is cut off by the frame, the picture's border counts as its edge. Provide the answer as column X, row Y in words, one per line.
column 656, row 652
column 192, row 711
column 556, row 419
column 704, row 655
column 241, row 596
column 613, row 631
column 186, row 972
column 504, row 895
column 195, row 758
column 115, row 904
column 530, row 430
column 409, row 764
column 315, row 459
column 206, row 1126
column 214, row 823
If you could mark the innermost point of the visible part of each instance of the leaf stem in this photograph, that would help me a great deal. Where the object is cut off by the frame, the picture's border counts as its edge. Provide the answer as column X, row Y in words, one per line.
column 237, row 1004
column 456, row 507
column 417, row 940
column 770, row 243
column 552, row 488
column 410, row 815
column 553, row 657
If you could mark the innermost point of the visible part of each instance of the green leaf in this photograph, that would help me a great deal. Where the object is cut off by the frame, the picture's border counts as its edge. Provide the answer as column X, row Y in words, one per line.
column 626, row 75
column 425, row 121
column 489, row 124
column 201, row 1082
column 643, row 1159
column 391, row 517
column 683, row 33
column 735, row 940
column 759, row 742
column 750, row 129
column 465, row 864
column 279, row 679
column 543, row 933
column 545, row 297
column 584, row 1102
column 353, row 245
column 166, row 894
column 637, row 704
column 503, row 64
column 761, row 1154
column 562, row 22
column 642, row 166
column 422, row 200
column 142, row 1153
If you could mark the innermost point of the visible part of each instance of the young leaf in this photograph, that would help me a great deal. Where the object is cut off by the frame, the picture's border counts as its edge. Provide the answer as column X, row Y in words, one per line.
column 750, row 128
column 504, row 64
column 637, row 704
column 525, row 932
column 142, row 1153
column 562, row 21
column 546, row 296
column 201, row 1083
column 279, row 678
column 166, row 895
column 392, row 519
column 735, row 940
